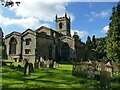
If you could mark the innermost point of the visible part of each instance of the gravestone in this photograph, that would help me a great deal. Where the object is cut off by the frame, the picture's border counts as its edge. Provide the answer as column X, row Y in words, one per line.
column 36, row 65
column 19, row 67
column 41, row 64
column 56, row 65
column 51, row 64
column 90, row 72
column 26, row 69
column 108, row 67
column 31, row 67
column 105, row 79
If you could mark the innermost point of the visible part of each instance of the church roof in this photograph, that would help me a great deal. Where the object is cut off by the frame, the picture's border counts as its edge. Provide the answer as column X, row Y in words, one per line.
column 28, row 31
column 44, row 27
column 13, row 33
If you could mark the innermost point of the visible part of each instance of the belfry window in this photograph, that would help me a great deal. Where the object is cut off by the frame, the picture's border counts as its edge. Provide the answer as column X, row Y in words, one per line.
column 60, row 25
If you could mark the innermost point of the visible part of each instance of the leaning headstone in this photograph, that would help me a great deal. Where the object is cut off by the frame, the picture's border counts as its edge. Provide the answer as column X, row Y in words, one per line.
column 90, row 73
column 105, row 79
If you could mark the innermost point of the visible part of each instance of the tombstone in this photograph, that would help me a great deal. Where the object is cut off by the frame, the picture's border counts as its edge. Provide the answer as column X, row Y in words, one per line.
column 31, row 67
column 56, row 65
column 108, row 67
column 105, row 79
column 101, row 66
column 41, row 59
column 36, row 65
column 26, row 69
column 51, row 64
column 90, row 72
column 48, row 62
column 41, row 64
column 115, row 68
column 19, row 67
column 44, row 66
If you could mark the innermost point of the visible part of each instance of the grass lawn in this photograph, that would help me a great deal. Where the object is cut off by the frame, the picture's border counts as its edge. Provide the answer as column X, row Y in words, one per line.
column 50, row 78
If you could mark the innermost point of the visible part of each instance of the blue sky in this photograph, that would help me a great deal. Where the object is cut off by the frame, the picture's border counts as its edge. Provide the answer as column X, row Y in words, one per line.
column 88, row 18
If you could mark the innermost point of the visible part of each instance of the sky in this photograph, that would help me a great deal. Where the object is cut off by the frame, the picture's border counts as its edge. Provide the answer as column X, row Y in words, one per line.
column 87, row 18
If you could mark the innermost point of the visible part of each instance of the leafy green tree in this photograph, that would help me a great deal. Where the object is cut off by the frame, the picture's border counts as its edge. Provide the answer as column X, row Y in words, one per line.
column 88, row 42
column 113, row 35
column 93, row 42
column 101, row 47
column 76, row 37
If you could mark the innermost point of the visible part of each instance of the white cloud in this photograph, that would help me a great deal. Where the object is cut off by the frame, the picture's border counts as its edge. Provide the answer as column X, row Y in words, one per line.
column 90, row 19
column 24, row 22
column 42, row 10
column 81, row 34
column 105, row 29
column 35, row 13
column 94, row 15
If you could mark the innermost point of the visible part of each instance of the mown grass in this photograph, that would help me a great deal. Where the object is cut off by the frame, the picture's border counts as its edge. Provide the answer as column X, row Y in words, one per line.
column 50, row 78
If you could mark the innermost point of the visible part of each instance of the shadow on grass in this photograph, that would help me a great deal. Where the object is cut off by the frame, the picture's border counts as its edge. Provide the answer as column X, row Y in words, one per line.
column 54, row 77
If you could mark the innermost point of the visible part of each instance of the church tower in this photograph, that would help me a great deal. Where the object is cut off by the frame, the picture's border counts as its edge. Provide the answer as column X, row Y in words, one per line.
column 63, row 25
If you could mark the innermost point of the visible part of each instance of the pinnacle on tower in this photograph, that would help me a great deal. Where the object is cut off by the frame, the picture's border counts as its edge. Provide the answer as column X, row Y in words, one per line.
column 65, row 14
column 56, row 16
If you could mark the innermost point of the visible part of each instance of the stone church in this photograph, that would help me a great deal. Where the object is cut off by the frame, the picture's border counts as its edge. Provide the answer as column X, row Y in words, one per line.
column 43, row 43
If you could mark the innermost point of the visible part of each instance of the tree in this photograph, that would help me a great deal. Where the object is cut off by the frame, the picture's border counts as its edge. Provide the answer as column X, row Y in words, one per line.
column 100, row 47
column 76, row 37
column 93, row 42
column 113, row 35
column 88, row 42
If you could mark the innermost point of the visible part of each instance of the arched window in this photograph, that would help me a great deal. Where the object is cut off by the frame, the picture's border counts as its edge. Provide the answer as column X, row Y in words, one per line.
column 60, row 25
column 12, row 43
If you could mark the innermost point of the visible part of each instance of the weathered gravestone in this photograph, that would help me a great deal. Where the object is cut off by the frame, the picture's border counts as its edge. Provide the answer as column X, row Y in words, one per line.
column 36, row 65
column 19, row 67
column 31, row 67
column 56, row 65
column 51, row 64
column 41, row 64
column 105, row 74
column 105, row 79
column 108, row 67
column 26, row 69
column 90, row 72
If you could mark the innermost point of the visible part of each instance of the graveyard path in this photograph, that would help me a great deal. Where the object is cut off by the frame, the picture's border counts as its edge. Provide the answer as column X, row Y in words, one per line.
column 49, row 78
